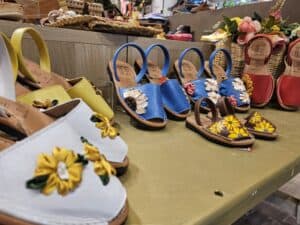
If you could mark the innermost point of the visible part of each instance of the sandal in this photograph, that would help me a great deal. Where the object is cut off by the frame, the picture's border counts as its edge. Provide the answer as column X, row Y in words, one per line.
column 232, row 87
column 195, row 85
column 92, row 125
column 257, row 54
column 175, row 100
column 40, row 76
column 288, row 84
column 47, row 179
column 255, row 123
column 227, row 130
column 142, row 102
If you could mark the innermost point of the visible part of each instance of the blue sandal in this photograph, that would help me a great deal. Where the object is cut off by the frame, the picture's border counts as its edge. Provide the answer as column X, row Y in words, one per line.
column 231, row 87
column 195, row 85
column 175, row 100
column 142, row 102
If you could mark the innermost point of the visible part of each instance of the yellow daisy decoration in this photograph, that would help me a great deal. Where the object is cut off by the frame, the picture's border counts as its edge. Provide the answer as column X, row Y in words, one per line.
column 216, row 128
column 255, row 118
column 101, row 166
column 238, row 133
column 231, row 122
column 103, row 123
column 61, row 171
column 264, row 126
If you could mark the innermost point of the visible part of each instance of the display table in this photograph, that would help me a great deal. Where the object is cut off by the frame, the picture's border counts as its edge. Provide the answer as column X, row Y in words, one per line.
column 174, row 173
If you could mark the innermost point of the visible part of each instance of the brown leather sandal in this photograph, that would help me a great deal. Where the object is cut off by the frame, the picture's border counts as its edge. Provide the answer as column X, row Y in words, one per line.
column 255, row 123
column 227, row 130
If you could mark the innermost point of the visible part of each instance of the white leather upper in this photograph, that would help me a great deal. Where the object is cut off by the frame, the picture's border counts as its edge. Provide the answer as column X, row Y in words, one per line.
column 90, row 203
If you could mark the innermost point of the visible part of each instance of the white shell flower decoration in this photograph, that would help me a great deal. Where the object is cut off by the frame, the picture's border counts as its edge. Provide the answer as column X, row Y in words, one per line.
column 238, row 84
column 211, row 85
column 136, row 100
column 244, row 97
column 213, row 96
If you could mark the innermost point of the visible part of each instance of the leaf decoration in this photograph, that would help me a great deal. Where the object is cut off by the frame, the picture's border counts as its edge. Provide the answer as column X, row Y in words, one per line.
column 81, row 159
column 37, row 183
column 105, row 179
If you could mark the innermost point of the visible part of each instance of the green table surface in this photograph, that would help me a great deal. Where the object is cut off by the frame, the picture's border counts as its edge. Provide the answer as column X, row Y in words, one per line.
column 174, row 172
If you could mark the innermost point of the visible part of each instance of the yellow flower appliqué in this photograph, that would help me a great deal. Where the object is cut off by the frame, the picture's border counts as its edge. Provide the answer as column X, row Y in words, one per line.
column 237, row 133
column 231, row 122
column 264, row 126
column 103, row 123
column 101, row 166
column 61, row 171
column 44, row 104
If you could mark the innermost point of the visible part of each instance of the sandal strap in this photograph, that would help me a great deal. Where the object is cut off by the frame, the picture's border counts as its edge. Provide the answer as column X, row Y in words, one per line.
column 166, row 66
column 210, row 105
column 228, row 62
column 16, row 41
column 12, row 55
column 143, row 70
column 225, row 107
column 201, row 57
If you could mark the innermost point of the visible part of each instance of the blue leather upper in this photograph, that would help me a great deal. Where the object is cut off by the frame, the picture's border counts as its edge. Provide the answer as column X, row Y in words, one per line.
column 173, row 95
column 201, row 57
column 155, row 108
column 200, row 91
column 230, row 87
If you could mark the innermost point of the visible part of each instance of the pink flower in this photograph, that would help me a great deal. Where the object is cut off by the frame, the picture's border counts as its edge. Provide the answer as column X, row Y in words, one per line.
column 276, row 15
column 232, row 100
column 189, row 88
column 244, row 38
column 246, row 27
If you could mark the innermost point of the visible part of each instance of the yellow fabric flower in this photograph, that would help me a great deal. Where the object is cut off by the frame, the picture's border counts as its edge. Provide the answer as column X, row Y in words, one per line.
column 103, row 167
column 248, row 83
column 107, row 130
column 255, row 118
column 216, row 128
column 237, row 19
column 63, row 171
column 264, row 126
column 275, row 28
column 238, row 133
column 230, row 122
column 91, row 152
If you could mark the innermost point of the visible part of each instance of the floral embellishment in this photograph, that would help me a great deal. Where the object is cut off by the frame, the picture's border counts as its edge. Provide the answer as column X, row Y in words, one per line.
column 259, row 124
column 244, row 97
column 103, row 123
column 162, row 79
column 44, row 104
column 189, row 88
column 232, row 100
column 136, row 100
column 238, row 84
column 248, row 84
column 101, row 166
column 229, row 127
column 214, row 96
column 211, row 85
column 61, row 171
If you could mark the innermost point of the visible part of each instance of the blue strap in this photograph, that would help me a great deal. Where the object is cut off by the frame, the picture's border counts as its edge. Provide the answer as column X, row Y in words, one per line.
column 166, row 65
column 142, row 72
column 201, row 57
column 228, row 61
